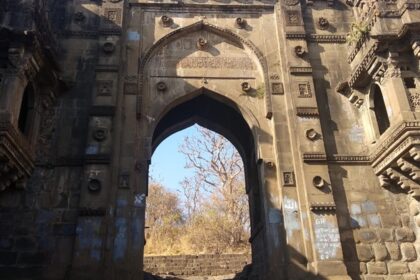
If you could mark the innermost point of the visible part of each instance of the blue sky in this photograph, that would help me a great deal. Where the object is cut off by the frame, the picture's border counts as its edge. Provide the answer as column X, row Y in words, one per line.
column 168, row 164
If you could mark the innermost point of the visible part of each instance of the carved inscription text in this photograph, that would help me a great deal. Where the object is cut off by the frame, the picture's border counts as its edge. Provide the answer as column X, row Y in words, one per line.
column 217, row 62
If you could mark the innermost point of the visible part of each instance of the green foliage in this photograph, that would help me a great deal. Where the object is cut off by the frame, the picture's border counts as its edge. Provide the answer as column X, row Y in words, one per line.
column 358, row 30
column 260, row 92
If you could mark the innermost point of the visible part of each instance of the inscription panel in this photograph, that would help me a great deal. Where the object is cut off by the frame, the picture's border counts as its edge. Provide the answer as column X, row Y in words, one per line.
column 216, row 62
column 327, row 238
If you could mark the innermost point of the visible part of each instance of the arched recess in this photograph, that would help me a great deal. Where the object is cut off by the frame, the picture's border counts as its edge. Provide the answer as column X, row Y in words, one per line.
column 226, row 33
column 221, row 115
column 377, row 105
column 27, row 110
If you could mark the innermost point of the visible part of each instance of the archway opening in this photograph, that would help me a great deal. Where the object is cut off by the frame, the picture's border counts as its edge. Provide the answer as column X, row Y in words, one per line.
column 218, row 115
column 379, row 108
column 26, row 110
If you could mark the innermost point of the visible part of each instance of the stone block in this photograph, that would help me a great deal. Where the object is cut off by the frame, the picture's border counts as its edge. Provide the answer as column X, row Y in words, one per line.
column 358, row 221
column 362, row 267
column 376, row 268
column 25, row 243
column 417, row 247
column 397, row 268
column 414, row 267
column 8, row 258
column 22, row 230
column 5, row 242
column 364, row 252
column 32, row 258
column 405, row 220
column 410, row 277
column 405, row 234
column 393, row 250
column 65, row 229
column 355, row 209
column 367, row 236
column 379, row 251
column 390, row 220
column 386, row 234
column 408, row 252
column 395, row 277
column 70, row 216
column 369, row 207
column 374, row 220
column 373, row 277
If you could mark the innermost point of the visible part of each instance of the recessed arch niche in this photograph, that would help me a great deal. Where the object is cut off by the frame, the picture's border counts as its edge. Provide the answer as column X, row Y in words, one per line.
column 221, row 115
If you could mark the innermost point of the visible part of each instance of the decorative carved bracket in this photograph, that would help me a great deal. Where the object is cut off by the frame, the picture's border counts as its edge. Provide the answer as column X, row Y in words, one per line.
column 397, row 161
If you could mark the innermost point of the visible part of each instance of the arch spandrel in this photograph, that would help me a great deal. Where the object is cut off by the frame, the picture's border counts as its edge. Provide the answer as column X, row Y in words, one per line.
column 221, row 66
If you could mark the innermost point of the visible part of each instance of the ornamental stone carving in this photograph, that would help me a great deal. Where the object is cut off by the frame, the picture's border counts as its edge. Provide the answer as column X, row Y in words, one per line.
column 300, row 51
column 311, row 134
column 240, row 22
column 166, row 20
column 100, row 134
column 319, row 182
column 202, row 44
column 323, row 23
column 161, row 86
column 94, row 185
column 246, row 87
column 108, row 47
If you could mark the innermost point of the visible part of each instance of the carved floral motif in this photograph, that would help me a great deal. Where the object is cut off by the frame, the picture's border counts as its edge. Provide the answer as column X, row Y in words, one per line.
column 414, row 98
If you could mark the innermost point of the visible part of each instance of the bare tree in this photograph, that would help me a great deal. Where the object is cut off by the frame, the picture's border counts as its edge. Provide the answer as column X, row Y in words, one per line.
column 219, row 188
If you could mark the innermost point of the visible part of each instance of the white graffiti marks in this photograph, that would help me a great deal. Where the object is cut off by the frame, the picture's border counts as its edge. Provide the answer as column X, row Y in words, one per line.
column 139, row 200
column 217, row 63
column 291, row 216
column 327, row 239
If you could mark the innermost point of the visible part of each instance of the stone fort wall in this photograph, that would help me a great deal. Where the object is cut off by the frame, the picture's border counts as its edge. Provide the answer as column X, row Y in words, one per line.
column 322, row 98
column 196, row 265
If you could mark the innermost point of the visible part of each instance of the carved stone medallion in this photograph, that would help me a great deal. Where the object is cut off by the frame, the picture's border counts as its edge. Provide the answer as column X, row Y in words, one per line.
column 108, row 47
column 166, row 21
column 319, row 182
column 246, row 86
column 94, row 185
column 100, row 134
column 161, row 86
column 202, row 43
column 240, row 22
column 323, row 23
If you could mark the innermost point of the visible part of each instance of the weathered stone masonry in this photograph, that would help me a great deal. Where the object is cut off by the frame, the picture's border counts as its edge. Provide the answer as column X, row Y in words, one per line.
column 196, row 265
column 321, row 98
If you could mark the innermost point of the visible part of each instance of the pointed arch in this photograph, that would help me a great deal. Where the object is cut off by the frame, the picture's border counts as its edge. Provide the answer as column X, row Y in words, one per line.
column 249, row 117
column 223, row 32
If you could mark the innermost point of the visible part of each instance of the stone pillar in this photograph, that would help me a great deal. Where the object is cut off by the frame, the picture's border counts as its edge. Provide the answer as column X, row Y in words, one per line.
column 311, row 226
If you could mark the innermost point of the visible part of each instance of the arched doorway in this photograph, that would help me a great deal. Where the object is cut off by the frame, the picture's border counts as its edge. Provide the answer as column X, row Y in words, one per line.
column 221, row 115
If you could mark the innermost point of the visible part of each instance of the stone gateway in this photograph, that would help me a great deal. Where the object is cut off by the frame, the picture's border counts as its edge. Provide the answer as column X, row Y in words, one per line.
column 321, row 99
